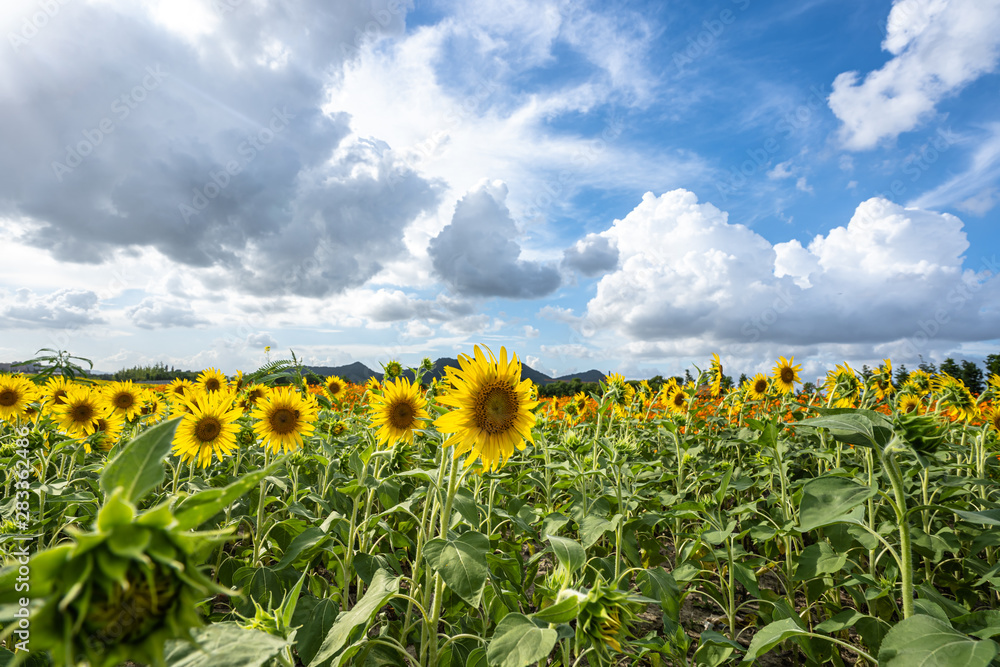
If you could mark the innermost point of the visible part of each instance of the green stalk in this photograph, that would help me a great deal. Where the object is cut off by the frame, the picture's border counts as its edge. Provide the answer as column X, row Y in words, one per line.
column 438, row 582
column 259, row 533
column 905, row 553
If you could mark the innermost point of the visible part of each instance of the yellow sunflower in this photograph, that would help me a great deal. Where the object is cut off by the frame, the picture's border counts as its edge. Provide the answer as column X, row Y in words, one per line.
column 715, row 375
column 786, row 374
column 882, row 380
column 16, row 393
column 757, row 387
column 209, row 428
column 81, row 408
column 153, row 407
column 908, row 404
column 993, row 417
column 55, row 390
column 179, row 388
column 956, row 399
column 124, row 397
column 493, row 406
column 107, row 430
column 678, row 400
column 211, row 379
column 843, row 386
column 283, row 418
column 335, row 387
column 398, row 411
column 251, row 395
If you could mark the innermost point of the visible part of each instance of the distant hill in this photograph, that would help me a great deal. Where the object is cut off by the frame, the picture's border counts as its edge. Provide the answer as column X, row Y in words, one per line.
column 358, row 373
column 592, row 375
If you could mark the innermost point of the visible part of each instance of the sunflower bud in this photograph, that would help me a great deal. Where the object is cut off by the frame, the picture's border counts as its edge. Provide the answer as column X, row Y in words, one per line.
column 922, row 432
column 121, row 591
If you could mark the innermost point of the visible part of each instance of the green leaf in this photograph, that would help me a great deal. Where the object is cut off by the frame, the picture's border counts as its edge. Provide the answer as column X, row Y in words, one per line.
column 465, row 504
column 857, row 427
column 561, row 612
column 196, row 509
column 818, row 559
column 304, row 541
column 138, row 467
column 925, row 641
column 518, row 642
column 355, row 622
column 592, row 528
column 461, row 563
column 987, row 517
column 224, row 645
column 569, row 552
column 714, row 649
column 309, row 637
column 841, row 621
column 827, row 500
column 770, row 636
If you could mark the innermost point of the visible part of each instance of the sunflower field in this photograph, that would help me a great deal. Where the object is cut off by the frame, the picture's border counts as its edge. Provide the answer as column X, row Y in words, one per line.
column 260, row 520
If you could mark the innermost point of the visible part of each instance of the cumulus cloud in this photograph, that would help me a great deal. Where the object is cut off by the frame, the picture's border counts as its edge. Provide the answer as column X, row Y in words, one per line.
column 208, row 142
column 61, row 309
column 891, row 274
column 592, row 255
column 478, row 255
column 938, row 48
column 156, row 313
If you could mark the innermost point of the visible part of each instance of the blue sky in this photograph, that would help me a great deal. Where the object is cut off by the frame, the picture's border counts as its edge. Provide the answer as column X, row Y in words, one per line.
column 627, row 186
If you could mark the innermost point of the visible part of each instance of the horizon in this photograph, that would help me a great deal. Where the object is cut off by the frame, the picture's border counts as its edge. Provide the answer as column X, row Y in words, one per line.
column 630, row 189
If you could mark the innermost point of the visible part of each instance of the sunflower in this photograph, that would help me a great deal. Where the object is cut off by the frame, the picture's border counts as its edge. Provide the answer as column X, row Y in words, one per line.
column 335, row 387
column 398, row 411
column 678, row 400
column 908, row 404
column 239, row 381
column 153, row 407
column 393, row 370
column 757, row 387
column 124, row 397
column 55, row 390
column 786, row 374
column 107, row 429
column 373, row 384
column 16, row 392
column 251, row 395
column 956, row 399
column 180, row 388
column 882, row 380
column 209, row 428
column 493, row 408
column 993, row 417
column 919, row 382
column 283, row 418
column 80, row 409
column 843, row 386
column 211, row 379
column 715, row 375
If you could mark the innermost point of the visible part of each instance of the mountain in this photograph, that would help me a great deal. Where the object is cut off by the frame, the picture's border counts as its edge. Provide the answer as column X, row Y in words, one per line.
column 592, row 375
column 358, row 373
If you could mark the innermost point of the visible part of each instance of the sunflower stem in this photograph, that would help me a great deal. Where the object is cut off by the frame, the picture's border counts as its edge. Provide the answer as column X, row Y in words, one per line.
column 260, row 510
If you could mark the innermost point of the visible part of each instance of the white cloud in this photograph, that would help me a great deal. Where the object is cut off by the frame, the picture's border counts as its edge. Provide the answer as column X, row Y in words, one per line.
column 530, row 331
column 938, row 48
column 62, row 309
column 687, row 276
column 969, row 189
column 160, row 313
column 478, row 255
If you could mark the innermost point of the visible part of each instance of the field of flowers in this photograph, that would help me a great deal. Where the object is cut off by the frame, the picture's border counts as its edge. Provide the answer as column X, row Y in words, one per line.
column 260, row 520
